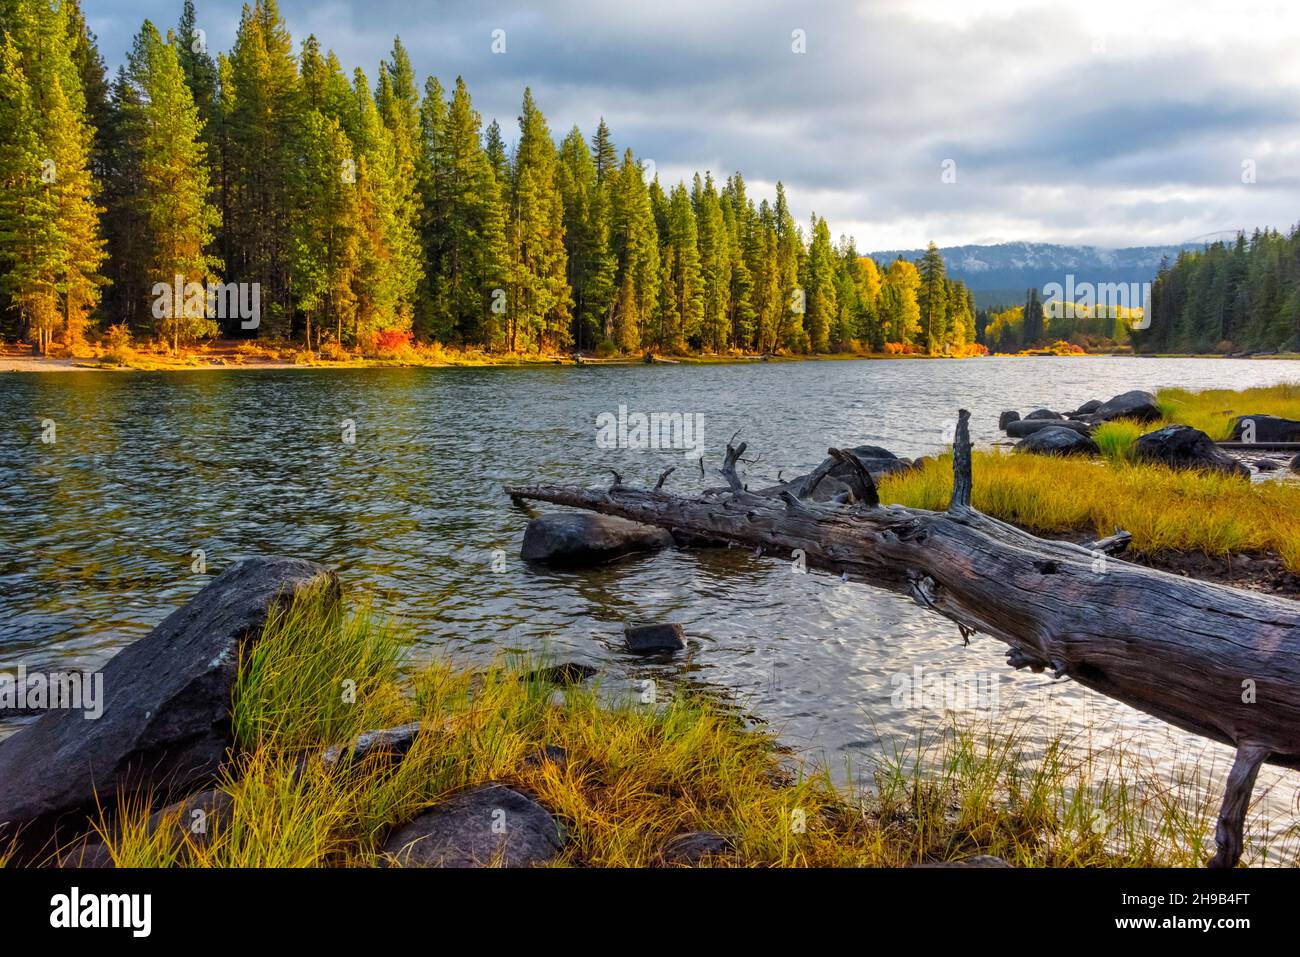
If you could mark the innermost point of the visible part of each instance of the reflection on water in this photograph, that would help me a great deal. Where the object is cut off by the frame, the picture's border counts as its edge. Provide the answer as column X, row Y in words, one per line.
column 98, row 530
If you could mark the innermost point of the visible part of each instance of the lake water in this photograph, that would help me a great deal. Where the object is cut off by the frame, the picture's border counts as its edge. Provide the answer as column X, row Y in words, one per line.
column 98, row 529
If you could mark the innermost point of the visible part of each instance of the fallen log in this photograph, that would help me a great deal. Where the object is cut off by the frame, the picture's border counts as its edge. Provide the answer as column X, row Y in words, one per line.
column 1213, row 660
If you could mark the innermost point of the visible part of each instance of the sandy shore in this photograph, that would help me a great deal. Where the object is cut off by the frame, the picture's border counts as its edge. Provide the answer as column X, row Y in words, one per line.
column 39, row 364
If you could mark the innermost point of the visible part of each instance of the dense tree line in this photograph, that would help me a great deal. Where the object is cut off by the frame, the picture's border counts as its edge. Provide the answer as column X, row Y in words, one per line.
column 368, row 207
column 1228, row 297
column 1055, row 324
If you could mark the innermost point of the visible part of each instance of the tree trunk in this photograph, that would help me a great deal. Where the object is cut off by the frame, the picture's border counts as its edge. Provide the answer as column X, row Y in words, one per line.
column 1217, row 661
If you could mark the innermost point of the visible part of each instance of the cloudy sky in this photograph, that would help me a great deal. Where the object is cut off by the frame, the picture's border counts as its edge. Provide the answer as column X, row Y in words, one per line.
column 1109, row 122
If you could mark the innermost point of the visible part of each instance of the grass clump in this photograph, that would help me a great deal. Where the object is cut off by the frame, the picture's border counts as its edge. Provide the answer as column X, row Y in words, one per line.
column 1164, row 509
column 1214, row 410
column 636, row 774
column 1118, row 439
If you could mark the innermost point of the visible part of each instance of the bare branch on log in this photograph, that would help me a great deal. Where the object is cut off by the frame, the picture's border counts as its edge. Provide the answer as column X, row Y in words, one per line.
column 728, row 470
column 663, row 477
column 813, row 478
column 1236, row 800
column 859, row 479
column 1115, row 544
column 962, row 483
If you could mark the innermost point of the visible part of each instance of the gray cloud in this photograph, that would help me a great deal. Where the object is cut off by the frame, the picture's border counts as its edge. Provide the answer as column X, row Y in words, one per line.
column 1105, row 122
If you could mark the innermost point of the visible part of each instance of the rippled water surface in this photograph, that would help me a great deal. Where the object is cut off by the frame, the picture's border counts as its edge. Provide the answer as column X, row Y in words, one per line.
column 97, row 530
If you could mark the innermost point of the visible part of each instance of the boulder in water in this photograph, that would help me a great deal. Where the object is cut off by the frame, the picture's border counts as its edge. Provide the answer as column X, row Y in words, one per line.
column 579, row 539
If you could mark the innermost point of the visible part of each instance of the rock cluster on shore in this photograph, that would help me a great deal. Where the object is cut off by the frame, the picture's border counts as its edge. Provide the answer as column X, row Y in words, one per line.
column 1046, row 432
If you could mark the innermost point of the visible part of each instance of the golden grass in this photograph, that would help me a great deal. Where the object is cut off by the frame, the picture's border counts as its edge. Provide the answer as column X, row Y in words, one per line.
column 1213, row 410
column 637, row 774
column 1164, row 509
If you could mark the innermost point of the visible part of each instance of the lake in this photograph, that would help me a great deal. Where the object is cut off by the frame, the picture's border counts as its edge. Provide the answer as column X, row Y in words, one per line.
column 98, row 529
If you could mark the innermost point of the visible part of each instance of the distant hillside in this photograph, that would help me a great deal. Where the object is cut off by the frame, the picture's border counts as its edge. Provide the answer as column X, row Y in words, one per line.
column 1000, row 274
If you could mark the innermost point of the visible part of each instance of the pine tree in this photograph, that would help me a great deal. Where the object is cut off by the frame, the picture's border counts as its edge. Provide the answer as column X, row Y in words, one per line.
column 715, row 265
column 94, row 82
column 262, row 118
column 790, row 330
column 495, row 145
column 587, row 239
column 1033, row 319
column 931, row 299
column 469, row 219
column 738, row 217
column 900, row 315
column 199, row 67
column 604, row 155
column 388, row 261
column 164, row 131
column 632, row 320
column 50, row 239
column 684, row 324
column 866, row 277
column 399, row 107
column 28, row 250
column 819, row 287
column 326, row 231
column 539, row 308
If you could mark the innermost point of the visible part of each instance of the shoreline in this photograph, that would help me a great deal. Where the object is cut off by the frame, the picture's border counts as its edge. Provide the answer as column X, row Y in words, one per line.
column 201, row 363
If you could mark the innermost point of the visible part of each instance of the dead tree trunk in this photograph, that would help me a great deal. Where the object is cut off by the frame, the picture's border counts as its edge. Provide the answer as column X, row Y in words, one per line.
column 1217, row 661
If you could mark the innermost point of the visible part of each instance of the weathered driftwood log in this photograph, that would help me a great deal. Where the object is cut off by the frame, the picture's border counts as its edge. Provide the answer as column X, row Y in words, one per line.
column 1217, row 661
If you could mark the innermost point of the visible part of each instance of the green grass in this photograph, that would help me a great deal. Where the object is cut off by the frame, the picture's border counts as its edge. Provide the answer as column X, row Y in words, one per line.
column 1213, row 410
column 637, row 774
column 1117, row 440
column 1164, row 509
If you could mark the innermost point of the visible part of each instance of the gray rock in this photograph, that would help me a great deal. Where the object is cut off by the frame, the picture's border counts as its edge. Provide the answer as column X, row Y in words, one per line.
column 166, row 715
column 650, row 639
column 91, row 853
column 1088, row 408
column 580, row 538
column 1267, row 465
column 1268, row 428
column 825, row 491
column 696, row 846
column 569, row 673
column 1134, row 404
column 196, row 817
column 393, row 743
column 194, row 820
column 1007, row 417
column 486, row 826
column 1026, row 427
column 1182, row 447
column 1044, row 414
column 1058, row 441
column 1295, row 465
column 879, row 462
column 551, row 754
